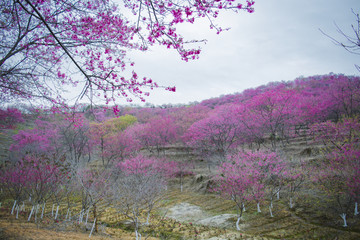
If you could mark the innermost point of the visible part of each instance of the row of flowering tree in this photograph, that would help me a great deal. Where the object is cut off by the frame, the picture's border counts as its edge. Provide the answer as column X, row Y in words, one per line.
column 132, row 186
column 265, row 116
column 272, row 115
column 247, row 177
column 338, row 174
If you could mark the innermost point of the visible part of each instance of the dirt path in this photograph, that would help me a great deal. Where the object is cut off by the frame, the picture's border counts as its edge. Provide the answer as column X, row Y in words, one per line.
column 189, row 213
column 186, row 212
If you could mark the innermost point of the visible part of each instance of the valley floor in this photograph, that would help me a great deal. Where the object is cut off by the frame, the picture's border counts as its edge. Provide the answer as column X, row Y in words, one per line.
column 189, row 215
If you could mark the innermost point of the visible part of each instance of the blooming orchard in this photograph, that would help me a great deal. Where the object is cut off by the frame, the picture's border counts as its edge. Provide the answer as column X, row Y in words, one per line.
column 109, row 161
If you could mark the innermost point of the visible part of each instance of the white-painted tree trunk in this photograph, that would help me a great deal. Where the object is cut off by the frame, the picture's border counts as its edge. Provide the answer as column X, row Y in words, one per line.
column 148, row 218
column 22, row 207
column 356, row 212
column 92, row 229
column 278, row 194
column 57, row 211
column 67, row 214
column 36, row 211
column 42, row 212
column 243, row 207
column 271, row 215
column 17, row 211
column 138, row 235
column 12, row 210
column 32, row 210
column 81, row 216
column 291, row 203
column 181, row 187
column 237, row 223
column 271, row 203
column 258, row 207
column 52, row 210
column 343, row 216
column 87, row 216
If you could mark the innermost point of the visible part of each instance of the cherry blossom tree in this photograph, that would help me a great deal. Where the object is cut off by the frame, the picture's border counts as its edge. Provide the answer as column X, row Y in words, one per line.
column 157, row 132
column 94, row 185
column 327, row 97
column 10, row 117
column 295, row 178
column 344, row 95
column 75, row 140
column 266, row 172
column 13, row 183
column 106, row 135
column 336, row 135
column 234, row 182
column 188, row 115
column 338, row 173
column 35, row 178
column 180, row 170
column 338, row 176
column 47, row 45
column 120, row 146
column 215, row 135
column 138, row 185
column 42, row 140
column 273, row 112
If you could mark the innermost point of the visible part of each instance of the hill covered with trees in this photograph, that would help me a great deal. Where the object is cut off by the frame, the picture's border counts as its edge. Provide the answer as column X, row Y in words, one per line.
column 77, row 166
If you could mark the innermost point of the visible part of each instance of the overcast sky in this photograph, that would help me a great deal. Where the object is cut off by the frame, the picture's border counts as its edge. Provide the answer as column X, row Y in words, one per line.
column 281, row 40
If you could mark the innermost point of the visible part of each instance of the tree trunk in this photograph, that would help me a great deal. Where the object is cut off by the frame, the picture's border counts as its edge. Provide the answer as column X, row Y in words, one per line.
column 258, row 207
column 52, row 210
column 32, row 210
column 181, row 182
column 87, row 217
column 67, row 214
column 92, row 229
column 81, row 216
column 12, row 210
column 95, row 215
column 36, row 212
column 271, row 215
column 148, row 218
column 138, row 235
column 57, row 211
column 237, row 223
column 356, row 212
column 17, row 211
column 343, row 216
column 42, row 212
